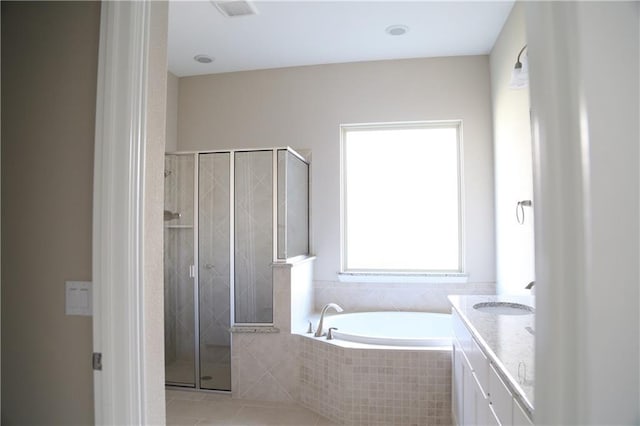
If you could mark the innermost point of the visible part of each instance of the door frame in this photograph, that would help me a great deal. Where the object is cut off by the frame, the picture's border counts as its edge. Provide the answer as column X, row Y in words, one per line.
column 584, row 116
column 118, row 220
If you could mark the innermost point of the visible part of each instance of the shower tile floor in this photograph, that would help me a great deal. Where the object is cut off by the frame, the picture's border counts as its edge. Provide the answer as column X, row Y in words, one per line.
column 215, row 368
column 214, row 375
column 199, row 408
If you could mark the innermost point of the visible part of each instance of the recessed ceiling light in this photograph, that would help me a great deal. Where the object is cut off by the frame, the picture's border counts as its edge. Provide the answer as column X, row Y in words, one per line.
column 397, row 30
column 203, row 59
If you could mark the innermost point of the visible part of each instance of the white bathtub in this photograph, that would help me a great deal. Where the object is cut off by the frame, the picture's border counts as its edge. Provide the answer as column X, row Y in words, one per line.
column 392, row 328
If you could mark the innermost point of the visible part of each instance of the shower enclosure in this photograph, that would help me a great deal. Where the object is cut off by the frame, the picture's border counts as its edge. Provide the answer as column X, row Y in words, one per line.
column 229, row 215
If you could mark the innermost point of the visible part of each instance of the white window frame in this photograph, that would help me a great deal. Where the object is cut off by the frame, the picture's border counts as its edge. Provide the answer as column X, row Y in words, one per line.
column 366, row 275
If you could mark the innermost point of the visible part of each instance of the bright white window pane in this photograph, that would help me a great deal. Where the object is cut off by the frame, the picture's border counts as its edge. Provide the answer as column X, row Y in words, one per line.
column 402, row 199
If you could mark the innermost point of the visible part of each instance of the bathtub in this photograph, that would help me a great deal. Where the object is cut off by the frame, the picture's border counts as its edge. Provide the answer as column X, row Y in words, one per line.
column 392, row 328
column 380, row 368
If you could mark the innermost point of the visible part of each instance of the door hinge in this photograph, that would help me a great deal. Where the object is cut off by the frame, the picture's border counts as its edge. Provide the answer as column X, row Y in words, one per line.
column 97, row 361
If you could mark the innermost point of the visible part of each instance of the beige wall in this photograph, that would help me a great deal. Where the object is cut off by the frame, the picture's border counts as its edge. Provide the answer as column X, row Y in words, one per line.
column 303, row 107
column 153, row 219
column 512, row 160
column 172, row 112
column 49, row 66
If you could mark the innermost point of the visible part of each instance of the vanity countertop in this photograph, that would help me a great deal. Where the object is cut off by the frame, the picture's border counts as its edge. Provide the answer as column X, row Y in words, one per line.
column 507, row 340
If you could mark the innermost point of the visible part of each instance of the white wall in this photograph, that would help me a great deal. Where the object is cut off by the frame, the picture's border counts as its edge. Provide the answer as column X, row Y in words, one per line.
column 303, row 107
column 513, row 175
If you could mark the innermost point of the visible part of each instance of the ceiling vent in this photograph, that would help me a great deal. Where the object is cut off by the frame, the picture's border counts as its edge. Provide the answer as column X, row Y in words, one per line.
column 235, row 8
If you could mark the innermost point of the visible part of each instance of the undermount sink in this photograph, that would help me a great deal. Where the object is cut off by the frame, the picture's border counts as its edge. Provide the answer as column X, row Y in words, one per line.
column 504, row 308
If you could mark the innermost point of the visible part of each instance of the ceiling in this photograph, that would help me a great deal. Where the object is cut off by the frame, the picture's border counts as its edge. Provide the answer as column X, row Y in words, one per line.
column 295, row 33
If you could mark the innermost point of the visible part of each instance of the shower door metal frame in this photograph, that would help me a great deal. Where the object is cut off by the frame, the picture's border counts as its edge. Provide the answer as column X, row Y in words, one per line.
column 196, row 245
column 194, row 272
column 196, row 268
column 276, row 257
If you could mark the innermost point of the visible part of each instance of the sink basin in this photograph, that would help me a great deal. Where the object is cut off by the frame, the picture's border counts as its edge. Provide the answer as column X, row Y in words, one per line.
column 504, row 308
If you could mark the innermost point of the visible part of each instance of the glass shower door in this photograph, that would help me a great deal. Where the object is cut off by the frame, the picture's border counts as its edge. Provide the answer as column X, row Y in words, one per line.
column 179, row 277
column 253, row 237
column 293, row 205
column 214, row 284
column 219, row 246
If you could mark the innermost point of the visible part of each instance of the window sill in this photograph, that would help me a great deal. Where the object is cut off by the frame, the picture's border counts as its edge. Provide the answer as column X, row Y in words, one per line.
column 371, row 277
column 254, row 329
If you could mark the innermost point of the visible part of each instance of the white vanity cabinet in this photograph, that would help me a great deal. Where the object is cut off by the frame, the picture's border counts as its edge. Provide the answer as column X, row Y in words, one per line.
column 480, row 395
column 500, row 399
column 469, row 378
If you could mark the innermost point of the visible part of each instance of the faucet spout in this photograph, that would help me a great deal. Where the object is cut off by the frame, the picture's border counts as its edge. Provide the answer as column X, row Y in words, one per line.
column 326, row 307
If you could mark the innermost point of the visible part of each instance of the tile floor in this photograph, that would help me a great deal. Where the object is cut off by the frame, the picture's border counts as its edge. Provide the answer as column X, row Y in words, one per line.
column 199, row 408
column 215, row 368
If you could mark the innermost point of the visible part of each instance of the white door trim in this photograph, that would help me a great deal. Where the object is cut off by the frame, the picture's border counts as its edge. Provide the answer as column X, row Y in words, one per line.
column 560, row 238
column 583, row 65
column 118, row 242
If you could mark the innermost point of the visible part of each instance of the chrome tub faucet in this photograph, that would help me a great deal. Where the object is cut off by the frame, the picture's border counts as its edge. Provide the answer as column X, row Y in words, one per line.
column 335, row 306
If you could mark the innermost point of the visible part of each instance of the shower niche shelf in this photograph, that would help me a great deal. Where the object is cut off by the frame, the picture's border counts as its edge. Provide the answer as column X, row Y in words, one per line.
column 178, row 227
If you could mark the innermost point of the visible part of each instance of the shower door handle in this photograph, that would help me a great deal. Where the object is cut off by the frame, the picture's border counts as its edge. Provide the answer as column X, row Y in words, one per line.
column 192, row 271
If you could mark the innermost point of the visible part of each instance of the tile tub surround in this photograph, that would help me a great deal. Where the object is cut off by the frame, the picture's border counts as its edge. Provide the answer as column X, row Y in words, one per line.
column 358, row 384
column 264, row 360
column 265, row 366
column 367, row 297
column 504, row 339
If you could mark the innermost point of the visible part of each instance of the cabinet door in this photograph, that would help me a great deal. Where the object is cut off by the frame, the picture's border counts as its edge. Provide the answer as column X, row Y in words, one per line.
column 469, row 398
column 472, row 405
column 480, row 365
column 476, row 404
column 461, row 333
column 492, row 418
column 458, row 384
column 501, row 398
column 520, row 417
column 481, row 402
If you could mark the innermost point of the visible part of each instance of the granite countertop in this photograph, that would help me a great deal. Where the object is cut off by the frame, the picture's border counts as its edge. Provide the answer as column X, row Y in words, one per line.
column 507, row 340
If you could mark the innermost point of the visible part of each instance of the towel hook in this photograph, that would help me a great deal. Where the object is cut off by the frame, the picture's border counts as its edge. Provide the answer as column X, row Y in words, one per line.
column 520, row 210
column 522, row 372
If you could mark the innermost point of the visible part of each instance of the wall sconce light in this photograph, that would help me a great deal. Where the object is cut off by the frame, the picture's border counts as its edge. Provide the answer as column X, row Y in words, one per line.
column 520, row 74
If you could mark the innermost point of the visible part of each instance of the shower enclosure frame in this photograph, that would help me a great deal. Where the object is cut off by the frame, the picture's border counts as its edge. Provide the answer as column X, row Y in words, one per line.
column 195, row 270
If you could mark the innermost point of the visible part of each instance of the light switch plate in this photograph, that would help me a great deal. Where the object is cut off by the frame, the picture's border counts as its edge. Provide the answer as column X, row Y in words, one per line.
column 79, row 298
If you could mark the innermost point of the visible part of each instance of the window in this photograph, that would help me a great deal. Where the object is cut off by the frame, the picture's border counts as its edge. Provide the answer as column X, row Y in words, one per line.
column 401, row 198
